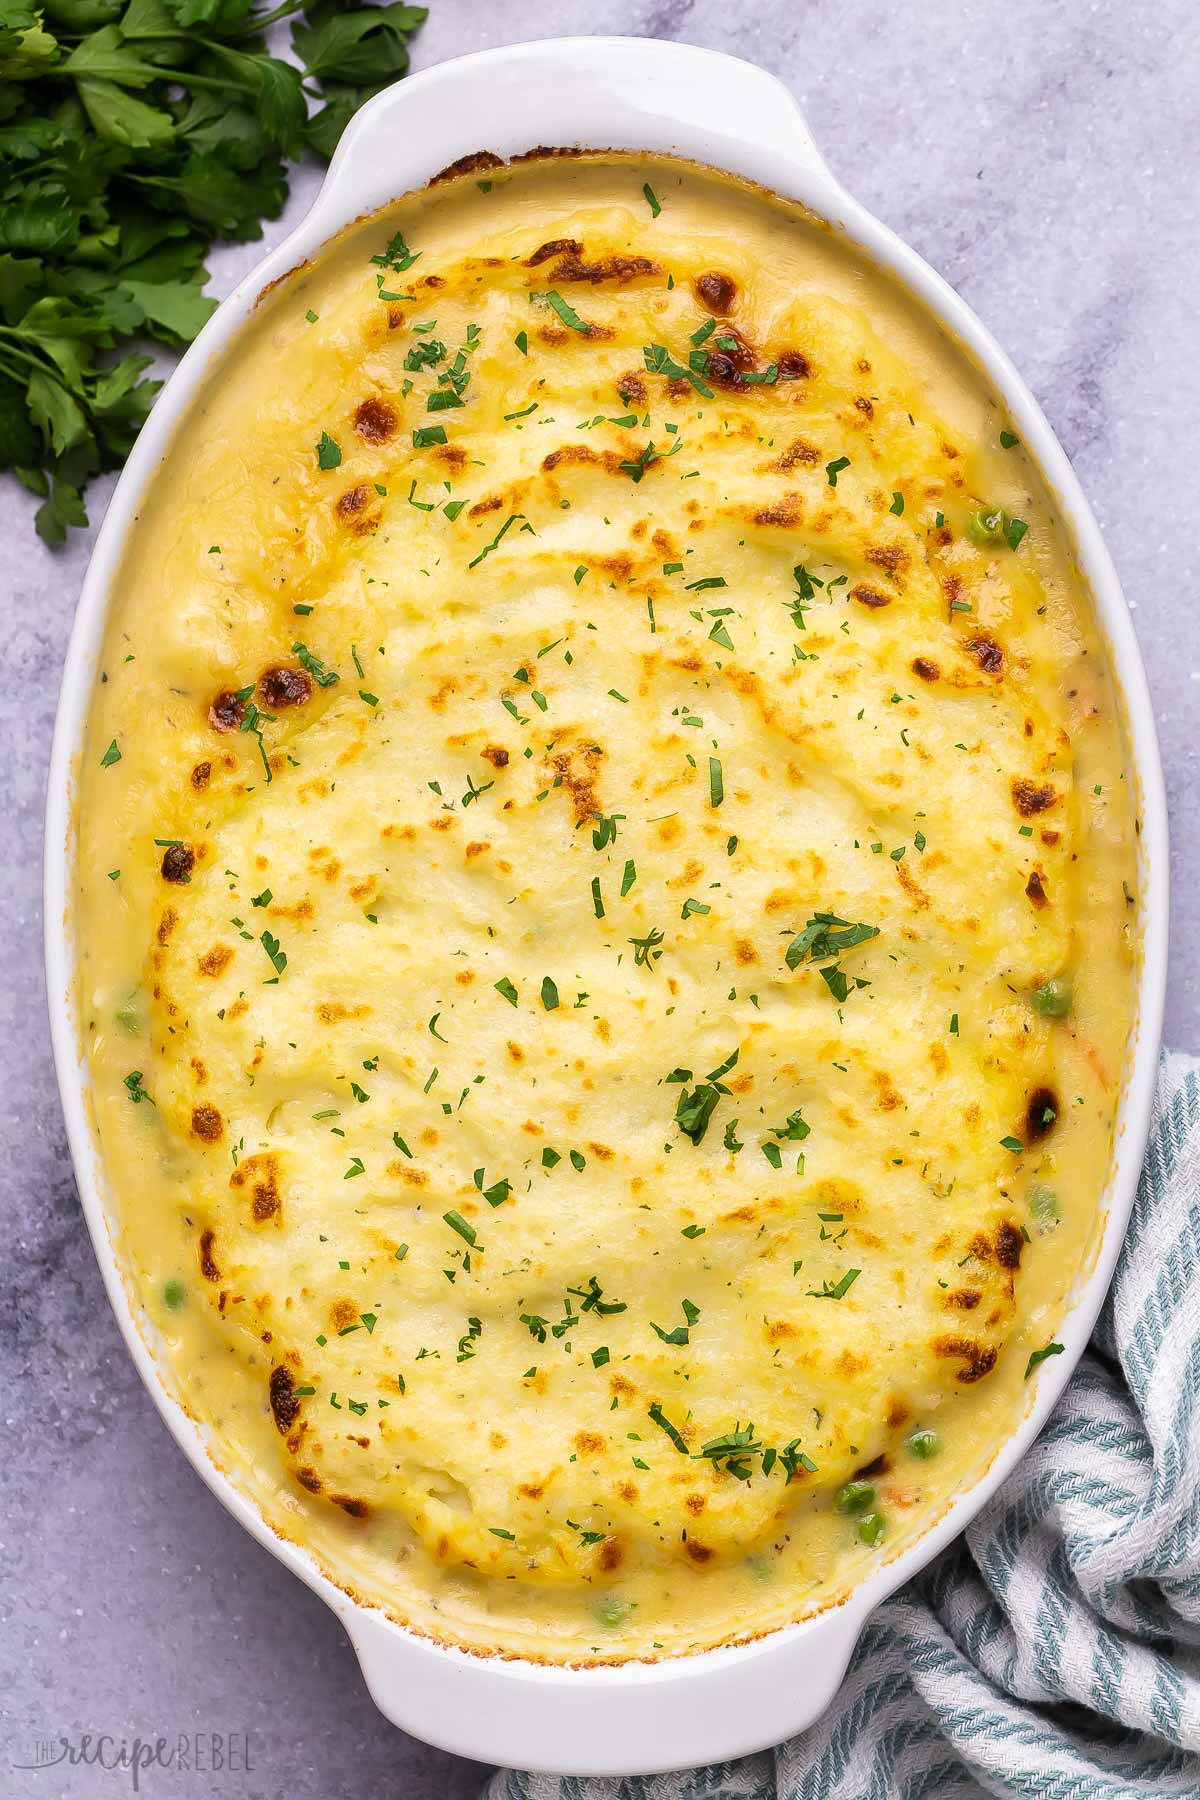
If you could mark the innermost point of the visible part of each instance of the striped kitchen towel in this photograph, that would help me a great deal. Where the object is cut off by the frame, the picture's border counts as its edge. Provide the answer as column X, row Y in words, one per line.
column 1054, row 1650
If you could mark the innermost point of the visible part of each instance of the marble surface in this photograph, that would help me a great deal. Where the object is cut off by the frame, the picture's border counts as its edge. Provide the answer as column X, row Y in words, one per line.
column 1038, row 154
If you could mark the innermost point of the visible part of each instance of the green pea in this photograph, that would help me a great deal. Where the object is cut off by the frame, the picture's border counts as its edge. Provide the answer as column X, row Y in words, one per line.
column 174, row 1294
column 1053, row 999
column 925, row 1444
column 988, row 525
column 1043, row 1204
column 612, row 1612
column 129, row 1016
column 872, row 1529
column 854, row 1497
column 760, row 1567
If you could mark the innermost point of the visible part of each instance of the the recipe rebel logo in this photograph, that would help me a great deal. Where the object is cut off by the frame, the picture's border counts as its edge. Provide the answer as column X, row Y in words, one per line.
column 203, row 1753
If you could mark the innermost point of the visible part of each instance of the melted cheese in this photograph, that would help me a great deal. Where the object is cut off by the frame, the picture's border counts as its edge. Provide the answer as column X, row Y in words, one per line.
column 521, row 648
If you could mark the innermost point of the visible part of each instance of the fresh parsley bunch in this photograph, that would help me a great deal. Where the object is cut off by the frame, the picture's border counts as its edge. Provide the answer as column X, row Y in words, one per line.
column 131, row 136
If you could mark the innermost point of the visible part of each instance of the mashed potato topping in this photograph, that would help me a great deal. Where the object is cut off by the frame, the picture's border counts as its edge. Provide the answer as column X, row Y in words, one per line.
column 605, row 908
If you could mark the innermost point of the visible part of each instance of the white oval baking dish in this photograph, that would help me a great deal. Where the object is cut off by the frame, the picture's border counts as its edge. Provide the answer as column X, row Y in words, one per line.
column 626, row 94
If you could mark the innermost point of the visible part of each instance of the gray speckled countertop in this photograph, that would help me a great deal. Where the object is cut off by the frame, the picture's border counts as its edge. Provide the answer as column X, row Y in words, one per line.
column 1041, row 155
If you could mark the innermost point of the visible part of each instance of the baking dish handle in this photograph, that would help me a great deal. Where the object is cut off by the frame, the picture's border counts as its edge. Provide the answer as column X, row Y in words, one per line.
column 650, row 95
column 607, row 1721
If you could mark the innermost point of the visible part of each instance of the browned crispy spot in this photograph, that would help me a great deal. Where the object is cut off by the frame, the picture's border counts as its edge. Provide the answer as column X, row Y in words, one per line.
column 260, row 1174
column 474, row 164
column 201, row 776
column 543, row 152
column 965, row 1298
column 911, row 885
column 1009, row 1244
column 553, row 247
column 787, row 510
column 897, row 1412
column 225, row 713
column 794, row 366
column 353, row 501
column 927, row 670
column 215, row 960
column 699, row 1553
column 496, row 754
column 977, row 1360
column 632, row 388
column 610, row 1556
column 490, row 503
column 1035, row 888
column 801, row 451
column 569, row 264
column 589, row 1442
column 332, row 1012
column 1041, row 1114
column 577, row 771
column 178, row 862
column 716, row 291
column 1032, row 797
column 892, row 557
column 207, row 1123
column 869, row 596
column 987, row 653
column 167, row 923
column 358, row 1509
column 375, row 420
column 284, row 1403
column 208, row 1267
column 580, row 453
column 864, row 406
column 282, row 685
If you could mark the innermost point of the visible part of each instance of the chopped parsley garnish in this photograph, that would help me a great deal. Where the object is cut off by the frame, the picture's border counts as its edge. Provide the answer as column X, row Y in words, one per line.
column 679, row 1333
column 834, row 469
column 1039, row 1356
column 321, row 675
column 826, row 935
column 277, row 956
column 652, row 200
column 456, row 1222
column 664, row 1424
column 567, row 313
column 488, row 548
column 495, row 1195
column 659, row 361
column 694, row 1109
column 329, row 452
column 837, row 1290
column 504, row 986
column 645, row 950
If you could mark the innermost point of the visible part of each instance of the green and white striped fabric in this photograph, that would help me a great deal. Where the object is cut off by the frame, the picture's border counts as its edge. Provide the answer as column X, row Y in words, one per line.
column 1055, row 1649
